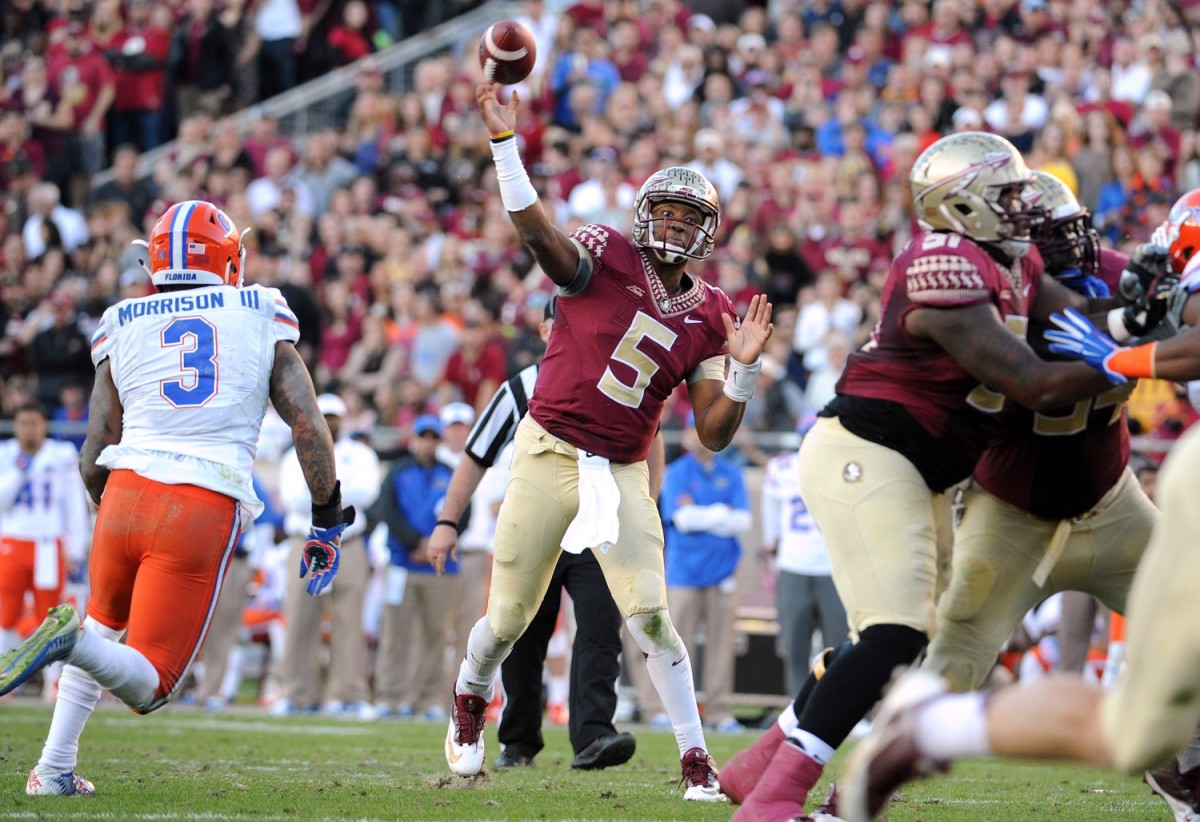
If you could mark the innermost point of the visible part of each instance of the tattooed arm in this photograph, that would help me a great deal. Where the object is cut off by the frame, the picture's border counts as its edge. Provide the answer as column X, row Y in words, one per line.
column 105, row 421
column 296, row 401
column 1001, row 360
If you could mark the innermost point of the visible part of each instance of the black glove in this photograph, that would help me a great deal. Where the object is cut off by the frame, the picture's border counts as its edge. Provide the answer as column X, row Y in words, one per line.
column 1149, row 262
column 1159, row 315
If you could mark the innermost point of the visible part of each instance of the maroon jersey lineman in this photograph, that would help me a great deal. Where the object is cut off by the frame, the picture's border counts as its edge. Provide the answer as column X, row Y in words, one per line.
column 1059, row 464
column 620, row 347
column 916, row 378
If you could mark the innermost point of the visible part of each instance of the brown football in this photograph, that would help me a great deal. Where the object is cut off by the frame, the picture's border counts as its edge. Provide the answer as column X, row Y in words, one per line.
column 507, row 52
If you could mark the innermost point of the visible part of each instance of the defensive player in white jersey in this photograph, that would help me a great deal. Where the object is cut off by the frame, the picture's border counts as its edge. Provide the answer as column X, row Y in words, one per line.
column 182, row 381
column 43, row 519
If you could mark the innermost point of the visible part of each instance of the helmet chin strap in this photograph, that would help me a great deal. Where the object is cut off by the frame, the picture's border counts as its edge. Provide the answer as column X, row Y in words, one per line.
column 668, row 257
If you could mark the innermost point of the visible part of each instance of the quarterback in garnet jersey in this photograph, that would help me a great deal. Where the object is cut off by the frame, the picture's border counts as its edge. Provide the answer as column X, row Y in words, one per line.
column 911, row 417
column 1053, row 506
column 624, row 309
column 631, row 325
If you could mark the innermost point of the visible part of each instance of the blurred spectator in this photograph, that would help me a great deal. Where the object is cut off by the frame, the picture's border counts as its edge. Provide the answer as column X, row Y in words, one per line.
column 73, row 410
column 279, row 25
column 341, row 328
column 138, row 54
column 50, row 219
column 266, row 192
column 200, row 67
column 1130, row 75
column 59, row 354
column 1093, row 161
column 86, row 80
column 476, row 369
column 1178, row 78
column 237, row 16
column 126, row 186
column 371, row 363
column 18, row 150
column 322, row 170
column 1018, row 114
column 711, row 161
column 827, row 311
column 1151, row 130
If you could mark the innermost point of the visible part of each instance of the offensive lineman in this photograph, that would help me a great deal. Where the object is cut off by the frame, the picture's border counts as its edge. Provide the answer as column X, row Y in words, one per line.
column 182, row 382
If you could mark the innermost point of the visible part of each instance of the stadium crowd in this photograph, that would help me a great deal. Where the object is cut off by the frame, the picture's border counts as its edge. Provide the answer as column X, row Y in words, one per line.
column 387, row 234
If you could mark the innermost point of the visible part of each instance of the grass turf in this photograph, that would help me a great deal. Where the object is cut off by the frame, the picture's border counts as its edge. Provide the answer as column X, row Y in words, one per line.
column 187, row 764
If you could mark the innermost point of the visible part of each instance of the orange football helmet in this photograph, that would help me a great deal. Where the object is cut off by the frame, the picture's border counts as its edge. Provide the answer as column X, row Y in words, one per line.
column 1183, row 229
column 195, row 243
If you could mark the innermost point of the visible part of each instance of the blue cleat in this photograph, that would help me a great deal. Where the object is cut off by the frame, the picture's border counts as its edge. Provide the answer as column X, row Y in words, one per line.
column 49, row 782
column 52, row 641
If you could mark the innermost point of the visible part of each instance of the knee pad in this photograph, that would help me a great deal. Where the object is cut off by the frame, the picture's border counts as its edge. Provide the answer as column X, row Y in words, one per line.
column 654, row 632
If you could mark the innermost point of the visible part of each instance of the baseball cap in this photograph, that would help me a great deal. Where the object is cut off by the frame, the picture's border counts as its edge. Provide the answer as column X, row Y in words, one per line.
column 331, row 405
column 456, row 412
column 427, row 424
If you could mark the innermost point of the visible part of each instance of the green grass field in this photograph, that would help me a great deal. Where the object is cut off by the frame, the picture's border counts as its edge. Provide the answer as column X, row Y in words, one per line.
column 182, row 763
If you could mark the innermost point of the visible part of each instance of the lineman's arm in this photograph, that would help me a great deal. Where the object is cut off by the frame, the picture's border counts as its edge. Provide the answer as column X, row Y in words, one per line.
column 296, row 402
column 553, row 250
column 444, row 539
column 105, row 423
column 1002, row 361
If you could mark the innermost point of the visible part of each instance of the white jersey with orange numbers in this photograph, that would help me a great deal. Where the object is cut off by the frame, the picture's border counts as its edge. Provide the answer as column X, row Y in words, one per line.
column 47, row 500
column 192, row 369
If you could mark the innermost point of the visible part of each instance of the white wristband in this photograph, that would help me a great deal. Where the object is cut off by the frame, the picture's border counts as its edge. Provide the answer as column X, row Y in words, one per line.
column 1116, row 326
column 739, row 385
column 516, row 191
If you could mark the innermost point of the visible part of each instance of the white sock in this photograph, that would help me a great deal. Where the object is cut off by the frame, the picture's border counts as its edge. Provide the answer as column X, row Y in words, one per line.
column 953, row 727
column 1189, row 757
column 817, row 748
column 485, row 652
column 9, row 639
column 557, row 690
column 77, row 696
column 118, row 668
column 671, row 673
column 787, row 720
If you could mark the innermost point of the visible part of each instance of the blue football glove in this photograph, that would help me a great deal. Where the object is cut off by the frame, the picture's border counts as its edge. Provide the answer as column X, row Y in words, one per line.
column 321, row 552
column 1080, row 339
column 1084, row 284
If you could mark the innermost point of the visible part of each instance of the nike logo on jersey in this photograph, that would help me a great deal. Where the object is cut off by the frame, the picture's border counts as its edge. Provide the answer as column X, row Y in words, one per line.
column 690, row 320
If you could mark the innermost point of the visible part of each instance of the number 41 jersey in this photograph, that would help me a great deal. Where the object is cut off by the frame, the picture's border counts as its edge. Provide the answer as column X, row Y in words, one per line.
column 192, row 369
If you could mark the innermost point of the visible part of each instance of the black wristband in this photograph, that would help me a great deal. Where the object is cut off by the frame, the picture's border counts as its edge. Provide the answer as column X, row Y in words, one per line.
column 449, row 522
column 329, row 514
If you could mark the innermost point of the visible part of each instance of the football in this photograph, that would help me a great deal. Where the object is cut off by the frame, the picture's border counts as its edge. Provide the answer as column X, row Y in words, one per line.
column 507, row 52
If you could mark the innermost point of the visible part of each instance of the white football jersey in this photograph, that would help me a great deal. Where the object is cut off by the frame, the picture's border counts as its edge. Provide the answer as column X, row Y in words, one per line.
column 47, row 500
column 192, row 369
column 786, row 520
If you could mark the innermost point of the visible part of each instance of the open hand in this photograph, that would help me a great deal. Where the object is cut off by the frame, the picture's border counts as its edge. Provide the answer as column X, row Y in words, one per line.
column 747, row 338
column 496, row 117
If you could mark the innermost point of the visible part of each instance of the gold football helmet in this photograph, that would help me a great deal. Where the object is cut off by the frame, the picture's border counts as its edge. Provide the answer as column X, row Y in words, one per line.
column 1063, row 229
column 971, row 183
column 678, row 185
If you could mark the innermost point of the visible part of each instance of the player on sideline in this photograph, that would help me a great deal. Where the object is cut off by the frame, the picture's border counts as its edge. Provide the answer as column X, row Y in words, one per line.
column 182, row 381
column 630, row 326
column 596, row 658
column 911, row 417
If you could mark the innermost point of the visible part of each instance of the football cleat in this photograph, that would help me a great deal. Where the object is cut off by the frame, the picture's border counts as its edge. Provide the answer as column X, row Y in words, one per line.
column 888, row 757
column 464, row 738
column 741, row 774
column 53, row 640
column 700, row 777
column 783, row 789
column 49, row 782
column 1178, row 790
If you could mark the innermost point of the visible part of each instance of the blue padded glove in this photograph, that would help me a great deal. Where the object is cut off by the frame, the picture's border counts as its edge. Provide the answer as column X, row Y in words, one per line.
column 1080, row 339
column 1086, row 285
column 321, row 553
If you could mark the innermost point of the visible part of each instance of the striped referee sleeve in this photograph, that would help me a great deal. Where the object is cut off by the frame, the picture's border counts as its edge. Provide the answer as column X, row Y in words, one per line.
column 497, row 425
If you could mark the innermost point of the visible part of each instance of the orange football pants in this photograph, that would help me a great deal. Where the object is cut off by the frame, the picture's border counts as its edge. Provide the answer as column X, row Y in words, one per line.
column 159, row 557
column 17, row 578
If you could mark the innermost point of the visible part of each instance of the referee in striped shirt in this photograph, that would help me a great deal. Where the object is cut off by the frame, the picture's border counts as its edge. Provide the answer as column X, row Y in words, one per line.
column 595, row 662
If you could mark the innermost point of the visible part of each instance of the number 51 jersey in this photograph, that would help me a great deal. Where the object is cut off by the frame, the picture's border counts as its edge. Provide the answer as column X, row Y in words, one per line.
column 192, row 369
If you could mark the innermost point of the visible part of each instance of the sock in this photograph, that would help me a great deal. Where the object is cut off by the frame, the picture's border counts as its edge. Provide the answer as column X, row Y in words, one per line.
column 118, row 668
column 820, row 750
column 485, row 652
column 787, row 721
column 78, row 694
column 557, row 690
column 953, row 727
column 9, row 639
column 1189, row 757
column 671, row 673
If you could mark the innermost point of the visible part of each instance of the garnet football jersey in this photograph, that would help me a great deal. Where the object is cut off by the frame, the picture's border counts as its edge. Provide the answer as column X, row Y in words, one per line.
column 192, row 369
column 939, row 270
column 619, row 348
column 1060, row 463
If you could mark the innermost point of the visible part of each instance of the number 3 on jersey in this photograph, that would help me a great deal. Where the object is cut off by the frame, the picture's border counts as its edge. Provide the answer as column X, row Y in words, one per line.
column 643, row 326
column 196, row 338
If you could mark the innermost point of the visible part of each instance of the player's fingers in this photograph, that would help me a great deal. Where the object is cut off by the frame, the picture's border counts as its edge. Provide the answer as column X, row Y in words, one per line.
column 729, row 326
